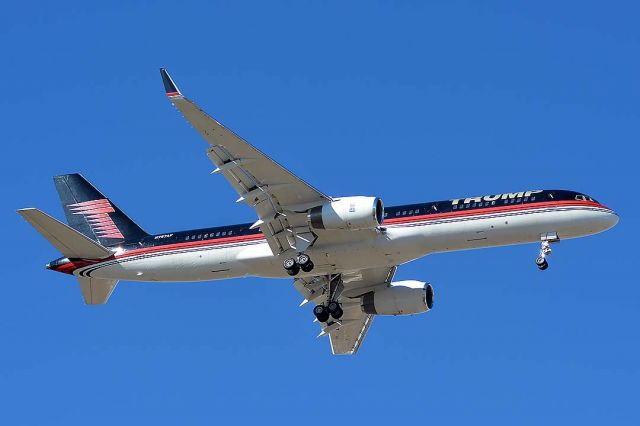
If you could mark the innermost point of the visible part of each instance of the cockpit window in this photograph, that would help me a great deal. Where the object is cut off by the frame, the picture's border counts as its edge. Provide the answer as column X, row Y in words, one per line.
column 583, row 197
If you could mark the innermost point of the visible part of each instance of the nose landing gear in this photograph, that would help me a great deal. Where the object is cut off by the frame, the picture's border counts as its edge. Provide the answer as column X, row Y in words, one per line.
column 541, row 260
column 545, row 249
column 542, row 263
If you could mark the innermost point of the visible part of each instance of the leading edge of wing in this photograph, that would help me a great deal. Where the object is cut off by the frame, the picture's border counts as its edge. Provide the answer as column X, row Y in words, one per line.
column 175, row 95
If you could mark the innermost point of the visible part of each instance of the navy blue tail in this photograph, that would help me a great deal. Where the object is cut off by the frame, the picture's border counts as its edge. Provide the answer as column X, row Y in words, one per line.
column 93, row 214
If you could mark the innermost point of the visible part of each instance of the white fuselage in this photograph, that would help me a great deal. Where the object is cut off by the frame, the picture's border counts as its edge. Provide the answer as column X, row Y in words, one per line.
column 398, row 241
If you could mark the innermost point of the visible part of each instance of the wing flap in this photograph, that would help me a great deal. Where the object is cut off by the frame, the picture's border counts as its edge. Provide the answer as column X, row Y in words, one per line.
column 347, row 339
column 346, row 334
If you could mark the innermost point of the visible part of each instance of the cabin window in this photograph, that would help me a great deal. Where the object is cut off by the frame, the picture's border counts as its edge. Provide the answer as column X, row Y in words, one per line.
column 519, row 200
column 404, row 213
column 455, row 207
column 224, row 234
column 397, row 214
column 206, row 235
column 199, row 236
column 217, row 234
column 410, row 212
column 230, row 232
column 526, row 199
column 186, row 238
column 581, row 198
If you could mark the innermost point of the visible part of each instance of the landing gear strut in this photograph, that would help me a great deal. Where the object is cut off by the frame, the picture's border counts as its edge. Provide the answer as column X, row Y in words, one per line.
column 332, row 308
column 545, row 250
column 294, row 265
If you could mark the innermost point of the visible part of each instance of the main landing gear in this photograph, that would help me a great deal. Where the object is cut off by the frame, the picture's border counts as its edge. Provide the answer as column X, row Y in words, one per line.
column 323, row 312
column 331, row 308
column 294, row 265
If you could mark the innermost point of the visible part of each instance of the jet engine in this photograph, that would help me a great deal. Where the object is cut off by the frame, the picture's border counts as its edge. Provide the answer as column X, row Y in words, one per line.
column 400, row 298
column 352, row 213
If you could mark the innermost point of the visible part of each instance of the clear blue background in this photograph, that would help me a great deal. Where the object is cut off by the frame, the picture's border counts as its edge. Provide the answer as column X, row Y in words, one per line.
column 412, row 101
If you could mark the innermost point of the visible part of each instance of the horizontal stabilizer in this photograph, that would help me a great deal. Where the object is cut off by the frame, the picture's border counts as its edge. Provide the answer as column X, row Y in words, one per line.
column 68, row 241
column 96, row 291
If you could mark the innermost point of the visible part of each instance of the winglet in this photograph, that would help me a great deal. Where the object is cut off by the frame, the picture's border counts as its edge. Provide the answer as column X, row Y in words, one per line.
column 169, row 86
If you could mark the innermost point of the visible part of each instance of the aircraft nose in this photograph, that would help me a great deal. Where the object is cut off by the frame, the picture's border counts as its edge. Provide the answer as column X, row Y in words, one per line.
column 608, row 219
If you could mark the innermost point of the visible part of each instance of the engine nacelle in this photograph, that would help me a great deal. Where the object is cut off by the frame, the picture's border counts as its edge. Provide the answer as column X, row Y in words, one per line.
column 400, row 298
column 351, row 213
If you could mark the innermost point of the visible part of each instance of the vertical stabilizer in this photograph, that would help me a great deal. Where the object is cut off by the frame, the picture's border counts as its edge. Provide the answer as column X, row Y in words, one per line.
column 93, row 214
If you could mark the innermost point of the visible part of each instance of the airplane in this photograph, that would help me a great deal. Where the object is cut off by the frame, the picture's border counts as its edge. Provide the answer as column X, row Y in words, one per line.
column 342, row 252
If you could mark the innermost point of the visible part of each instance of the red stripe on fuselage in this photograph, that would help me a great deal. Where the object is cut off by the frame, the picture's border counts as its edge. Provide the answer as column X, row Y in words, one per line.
column 390, row 221
column 201, row 243
column 488, row 210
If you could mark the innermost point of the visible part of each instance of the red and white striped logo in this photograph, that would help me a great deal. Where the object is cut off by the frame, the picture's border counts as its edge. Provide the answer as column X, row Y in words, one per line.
column 97, row 214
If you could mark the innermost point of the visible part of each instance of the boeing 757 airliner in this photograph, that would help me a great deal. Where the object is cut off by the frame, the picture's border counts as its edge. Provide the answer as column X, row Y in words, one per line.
column 342, row 251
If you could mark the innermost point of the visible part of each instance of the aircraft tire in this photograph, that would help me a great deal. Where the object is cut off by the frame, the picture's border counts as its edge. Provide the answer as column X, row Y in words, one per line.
column 307, row 267
column 335, row 310
column 294, row 270
column 321, row 312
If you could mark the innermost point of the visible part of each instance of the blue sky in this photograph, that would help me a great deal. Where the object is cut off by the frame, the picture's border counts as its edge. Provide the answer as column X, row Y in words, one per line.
column 409, row 101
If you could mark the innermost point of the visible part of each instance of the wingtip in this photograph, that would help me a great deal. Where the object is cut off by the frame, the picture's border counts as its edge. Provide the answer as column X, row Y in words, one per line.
column 169, row 86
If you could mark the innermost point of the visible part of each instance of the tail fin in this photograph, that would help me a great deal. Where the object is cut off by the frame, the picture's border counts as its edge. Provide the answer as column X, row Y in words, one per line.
column 94, row 215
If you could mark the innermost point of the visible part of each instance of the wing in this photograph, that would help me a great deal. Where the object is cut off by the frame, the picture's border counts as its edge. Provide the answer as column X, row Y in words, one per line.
column 278, row 196
column 347, row 334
